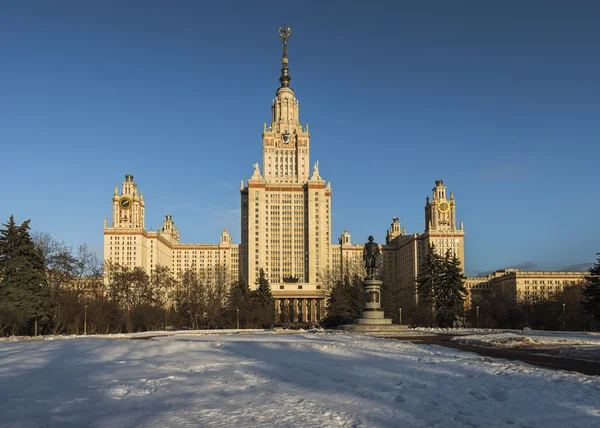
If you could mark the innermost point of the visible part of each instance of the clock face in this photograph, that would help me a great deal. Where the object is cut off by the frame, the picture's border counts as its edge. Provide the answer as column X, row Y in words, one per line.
column 285, row 136
column 443, row 207
column 125, row 203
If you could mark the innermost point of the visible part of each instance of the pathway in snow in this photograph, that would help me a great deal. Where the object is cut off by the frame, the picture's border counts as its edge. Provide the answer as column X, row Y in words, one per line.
column 274, row 380
column 551, row 358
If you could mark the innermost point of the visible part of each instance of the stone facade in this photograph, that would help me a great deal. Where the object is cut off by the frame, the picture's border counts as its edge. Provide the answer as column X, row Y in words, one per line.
column 286, row 212
column 403, row 254
column 286, row 223
column 128, row 243
column 523, row 285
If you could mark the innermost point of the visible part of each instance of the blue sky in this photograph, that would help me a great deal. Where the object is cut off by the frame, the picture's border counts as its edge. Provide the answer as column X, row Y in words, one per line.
column 500, row 99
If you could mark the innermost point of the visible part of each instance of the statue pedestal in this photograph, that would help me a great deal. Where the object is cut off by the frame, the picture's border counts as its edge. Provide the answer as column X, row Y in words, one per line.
column 372, row 320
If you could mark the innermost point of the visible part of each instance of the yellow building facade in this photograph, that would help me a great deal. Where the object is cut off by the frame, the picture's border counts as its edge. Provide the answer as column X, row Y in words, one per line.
column 403, row 253
column 129, row 244
column 523, row 285
column 286, row 224
column 286, row 210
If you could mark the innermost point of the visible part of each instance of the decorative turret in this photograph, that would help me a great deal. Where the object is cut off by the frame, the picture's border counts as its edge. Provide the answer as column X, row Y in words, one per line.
column 168, row 230
column 440, row 213
column 128, row 207
column 394, row 230
column 225, row 238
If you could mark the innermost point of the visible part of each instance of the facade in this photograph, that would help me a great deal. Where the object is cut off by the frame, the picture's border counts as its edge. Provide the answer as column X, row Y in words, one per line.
column 524, row 285
column 403, row 254
column 286, row 210
column 128, row 243
column 285, row 225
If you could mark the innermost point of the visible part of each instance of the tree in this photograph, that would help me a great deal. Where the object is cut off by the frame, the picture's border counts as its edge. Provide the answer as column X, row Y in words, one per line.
column 450, row 295
column 239, row 301
column 591, row 291
column 22, row 290
column 345, row 301
column 60, row 276
column 190, row 298
column 262, row 301
column 430, row 280
column 441, row 287
column 130, row 288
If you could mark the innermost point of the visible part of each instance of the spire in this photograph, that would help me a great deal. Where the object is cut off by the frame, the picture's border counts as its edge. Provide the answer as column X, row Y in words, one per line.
column 285, row 78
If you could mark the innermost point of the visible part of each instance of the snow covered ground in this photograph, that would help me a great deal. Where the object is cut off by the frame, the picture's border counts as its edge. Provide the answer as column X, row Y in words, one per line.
column 574, row 345
column 265, row 379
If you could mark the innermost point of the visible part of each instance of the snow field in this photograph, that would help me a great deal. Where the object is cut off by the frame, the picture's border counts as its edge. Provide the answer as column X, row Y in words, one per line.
column 311, row 380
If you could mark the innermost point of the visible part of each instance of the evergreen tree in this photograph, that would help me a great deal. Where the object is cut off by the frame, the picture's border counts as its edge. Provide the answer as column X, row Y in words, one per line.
column 239, row 302
column 450, row 295
column 345, row 302
column 430, row 280
column 22, row 290
column 441, row 287
column 591, row 291
column 263, row 288
column 262, row 300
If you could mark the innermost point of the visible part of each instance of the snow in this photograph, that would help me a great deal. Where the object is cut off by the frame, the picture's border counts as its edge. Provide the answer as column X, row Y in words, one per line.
column 312, row 379
column 570, row 344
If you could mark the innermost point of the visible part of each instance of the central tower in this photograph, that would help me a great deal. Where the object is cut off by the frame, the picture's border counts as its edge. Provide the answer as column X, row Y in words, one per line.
column 285, row 143
column 286, row 209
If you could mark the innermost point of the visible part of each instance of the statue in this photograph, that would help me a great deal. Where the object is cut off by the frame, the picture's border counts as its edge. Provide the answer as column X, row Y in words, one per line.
column 315, row 172
column 370, row 255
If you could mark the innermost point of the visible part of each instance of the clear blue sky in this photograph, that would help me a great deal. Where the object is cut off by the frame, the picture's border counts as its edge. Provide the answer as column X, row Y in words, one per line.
column 500, row 99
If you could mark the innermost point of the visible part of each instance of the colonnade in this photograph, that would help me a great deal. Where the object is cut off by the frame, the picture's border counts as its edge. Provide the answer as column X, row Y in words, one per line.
column 299, row 310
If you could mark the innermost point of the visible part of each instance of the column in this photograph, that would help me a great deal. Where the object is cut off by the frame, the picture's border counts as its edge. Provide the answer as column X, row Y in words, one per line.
column 309, row 310
column 304, row 305
column 286, row 311
column 292, row 310
column 318, row 310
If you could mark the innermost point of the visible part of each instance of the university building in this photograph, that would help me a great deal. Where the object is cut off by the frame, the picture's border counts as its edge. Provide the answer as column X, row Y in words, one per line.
column 286, row 210
column 286, row 224
column 403, row 254
column 522, row 285
column 129, row 244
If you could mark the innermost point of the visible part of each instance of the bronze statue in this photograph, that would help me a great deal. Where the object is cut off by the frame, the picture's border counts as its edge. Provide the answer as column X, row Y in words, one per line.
column 370, row 255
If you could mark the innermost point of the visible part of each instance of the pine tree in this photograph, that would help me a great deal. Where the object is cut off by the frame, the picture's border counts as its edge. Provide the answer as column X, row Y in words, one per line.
column 441, row 287
column 262, row 301
column 22, row 273
column 345, row 302
column 450, row 295
column 239, row 304
column 430, row 280
column 591, row 291
column 263, row 288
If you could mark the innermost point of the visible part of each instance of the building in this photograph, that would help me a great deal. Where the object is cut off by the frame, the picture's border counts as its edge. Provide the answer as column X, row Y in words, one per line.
column 286, row 210
column 285, row 225
column 403, row 253
column 522, row 285
column 129, row 244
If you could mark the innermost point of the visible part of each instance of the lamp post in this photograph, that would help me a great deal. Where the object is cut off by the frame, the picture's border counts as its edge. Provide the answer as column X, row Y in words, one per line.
column 564, row 317
column 400, row 310
column 237, row 317
column 477, row 316
column 85, row 320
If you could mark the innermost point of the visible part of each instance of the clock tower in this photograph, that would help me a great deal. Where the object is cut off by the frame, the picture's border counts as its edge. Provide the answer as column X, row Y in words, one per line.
column 440, row 224
column 128, row 206
column 440, row 212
